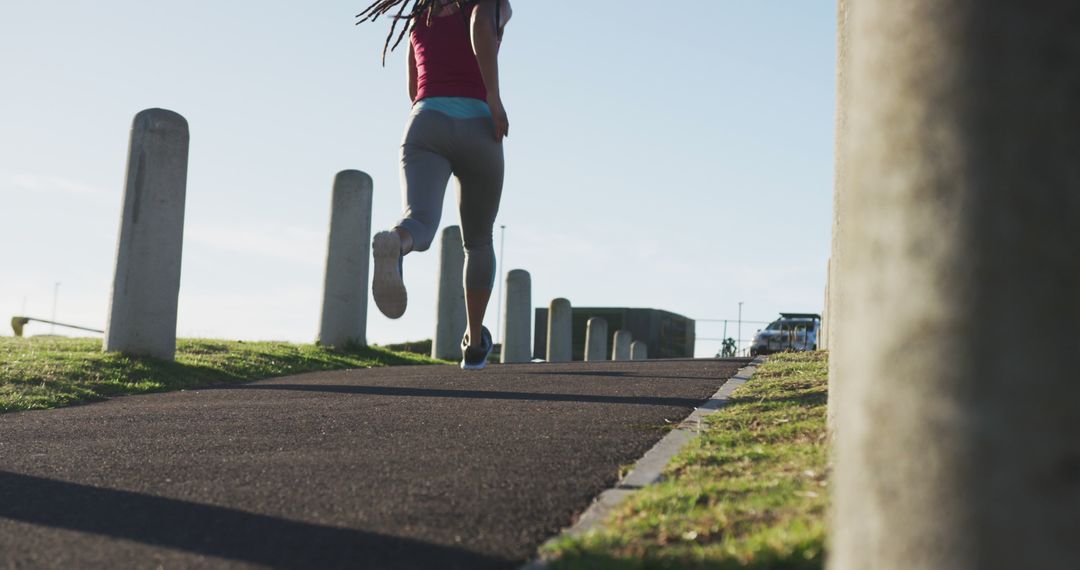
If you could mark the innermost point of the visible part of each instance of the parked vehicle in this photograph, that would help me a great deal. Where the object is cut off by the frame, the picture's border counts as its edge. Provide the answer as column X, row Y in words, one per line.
column 792, row 331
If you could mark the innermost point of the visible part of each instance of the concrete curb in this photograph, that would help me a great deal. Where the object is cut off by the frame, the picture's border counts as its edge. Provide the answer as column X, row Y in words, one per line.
column 648, row 470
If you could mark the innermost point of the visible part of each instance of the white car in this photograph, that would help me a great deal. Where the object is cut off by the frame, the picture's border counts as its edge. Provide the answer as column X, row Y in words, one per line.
column 792, row 331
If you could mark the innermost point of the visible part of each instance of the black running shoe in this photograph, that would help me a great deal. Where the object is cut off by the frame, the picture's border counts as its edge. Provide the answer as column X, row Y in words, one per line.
column 476, row 358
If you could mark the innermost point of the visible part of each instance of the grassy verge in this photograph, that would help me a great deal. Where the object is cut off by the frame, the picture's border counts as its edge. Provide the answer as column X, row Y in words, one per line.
column 749, row 493
column 37, row 373
column 415, row 347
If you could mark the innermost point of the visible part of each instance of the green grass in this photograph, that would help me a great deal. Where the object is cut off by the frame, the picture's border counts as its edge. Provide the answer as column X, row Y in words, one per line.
column 414, row 346
column 48, row 372
column 749, row 493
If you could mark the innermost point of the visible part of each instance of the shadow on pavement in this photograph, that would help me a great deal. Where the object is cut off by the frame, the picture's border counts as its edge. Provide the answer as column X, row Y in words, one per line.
column 218, row 531
column 474, row 394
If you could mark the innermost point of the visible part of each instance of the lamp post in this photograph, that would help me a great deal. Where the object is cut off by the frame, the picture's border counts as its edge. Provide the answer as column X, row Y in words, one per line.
column 56, row 293
column 738, row 333
column 502, row 279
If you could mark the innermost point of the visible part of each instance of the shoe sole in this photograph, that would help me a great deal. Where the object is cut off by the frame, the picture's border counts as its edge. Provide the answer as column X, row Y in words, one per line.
column 386, row 285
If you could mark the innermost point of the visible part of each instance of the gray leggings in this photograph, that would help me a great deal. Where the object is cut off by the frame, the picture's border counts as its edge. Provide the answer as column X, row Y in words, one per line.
column 438, row 145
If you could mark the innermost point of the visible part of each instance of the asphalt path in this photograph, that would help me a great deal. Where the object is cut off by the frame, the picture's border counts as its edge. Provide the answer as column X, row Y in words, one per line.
column 404, row 467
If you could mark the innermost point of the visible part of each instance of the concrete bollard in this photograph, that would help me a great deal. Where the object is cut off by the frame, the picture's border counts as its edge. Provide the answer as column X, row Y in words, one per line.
column 596, row 339
column 639, row 351
column 823, row 330
column 348, row 255
column 833, row 320
column 517, row 328
column 560, row 330
column 958, row 440
column 621, row 348
column 450, row 319
column 146, row 283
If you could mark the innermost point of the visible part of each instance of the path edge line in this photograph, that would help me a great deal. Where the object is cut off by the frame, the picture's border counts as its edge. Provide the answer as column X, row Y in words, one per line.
column 649, row 469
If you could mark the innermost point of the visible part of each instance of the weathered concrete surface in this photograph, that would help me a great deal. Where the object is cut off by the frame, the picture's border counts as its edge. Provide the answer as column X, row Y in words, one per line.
column 833, row 320
column 348, row 255
column 146, row 283
column 823, row 334
column 560, row 331
column 450, row 317
column 596, row 339
column 620, row 349
column 517, row 328
column 639, row 350
column 959, row 438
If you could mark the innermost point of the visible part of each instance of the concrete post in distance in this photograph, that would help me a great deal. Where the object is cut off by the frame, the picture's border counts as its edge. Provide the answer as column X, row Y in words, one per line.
column 348, row 256
column 958, row 442
column 560, row 341
column 621, row 348
column 450, row 319
column 596, row 339
column 639, row 351
column 146, row 283
column 517, row 326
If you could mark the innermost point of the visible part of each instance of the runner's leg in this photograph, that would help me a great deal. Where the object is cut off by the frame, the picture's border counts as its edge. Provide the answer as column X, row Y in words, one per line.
column 479, row 171
column 425, row 170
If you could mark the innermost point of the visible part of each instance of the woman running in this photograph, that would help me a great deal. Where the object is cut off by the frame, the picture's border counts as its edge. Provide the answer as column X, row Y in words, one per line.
column 456, row 128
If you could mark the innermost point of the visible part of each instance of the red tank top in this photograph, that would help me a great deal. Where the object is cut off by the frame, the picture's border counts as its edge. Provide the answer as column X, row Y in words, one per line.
column 445, row 63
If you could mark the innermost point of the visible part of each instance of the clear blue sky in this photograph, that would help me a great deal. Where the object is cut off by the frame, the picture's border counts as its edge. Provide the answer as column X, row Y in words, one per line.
column 673, row 155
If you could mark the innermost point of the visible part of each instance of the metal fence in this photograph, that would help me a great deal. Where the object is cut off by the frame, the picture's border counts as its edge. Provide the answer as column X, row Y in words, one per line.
column 712, row 334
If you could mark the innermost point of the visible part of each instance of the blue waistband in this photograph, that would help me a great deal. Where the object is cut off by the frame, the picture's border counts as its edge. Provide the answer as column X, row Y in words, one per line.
column 456, row 107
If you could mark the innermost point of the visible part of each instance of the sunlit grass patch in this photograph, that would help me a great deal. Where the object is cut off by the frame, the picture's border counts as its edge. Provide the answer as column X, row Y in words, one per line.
column 47, row 372
column 750, row 492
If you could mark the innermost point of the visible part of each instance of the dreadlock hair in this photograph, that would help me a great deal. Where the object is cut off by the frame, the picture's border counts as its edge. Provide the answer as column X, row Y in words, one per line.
column 380, row 7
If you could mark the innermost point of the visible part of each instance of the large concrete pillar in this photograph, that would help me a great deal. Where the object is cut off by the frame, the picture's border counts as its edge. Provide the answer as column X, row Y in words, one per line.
column 345, row 290
column 833, row 324
column 823, row 331
column 620, row 349
column 959, row 438
column 560, row 346
column 517, row 328
column 596, row 339
column 146, row 283
column 450, row 319
column 639, row 350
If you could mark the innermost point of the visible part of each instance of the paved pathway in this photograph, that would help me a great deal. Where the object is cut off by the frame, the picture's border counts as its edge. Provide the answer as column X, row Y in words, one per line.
column 408, row 467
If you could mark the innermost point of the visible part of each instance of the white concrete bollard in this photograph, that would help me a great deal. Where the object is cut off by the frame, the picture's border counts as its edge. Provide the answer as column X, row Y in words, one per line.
column 823, row 330
column 450, row 319
column 621, row 348
column 345, row 297
column 639, row 351
column 833, row 320
column 517, row 329
column 958, row 439
column 560, row 341
column 146, row 283
column 596, row 339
